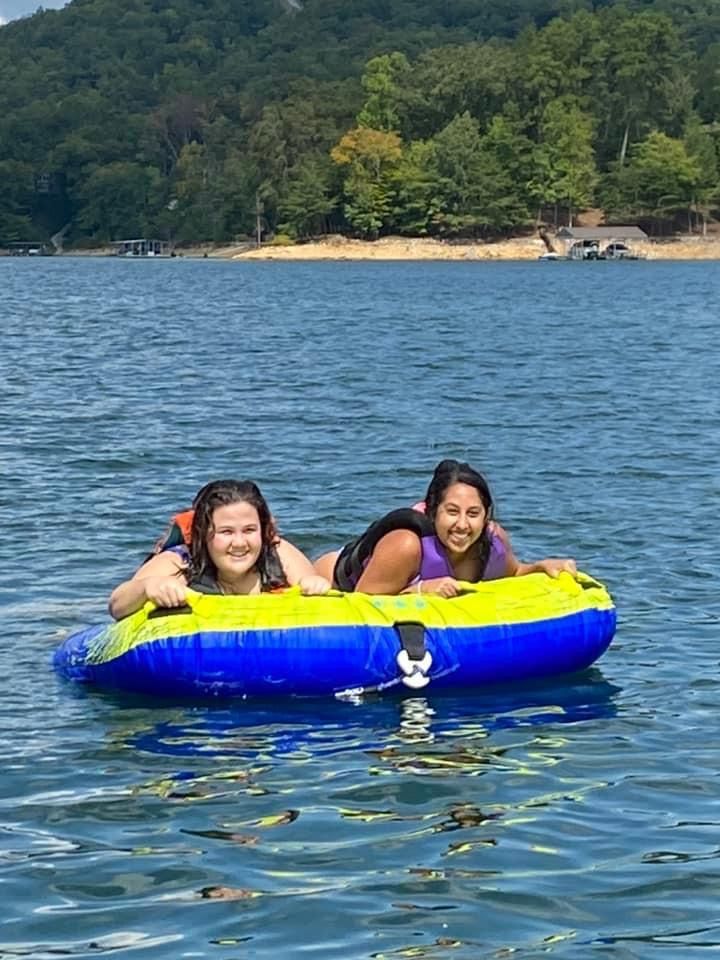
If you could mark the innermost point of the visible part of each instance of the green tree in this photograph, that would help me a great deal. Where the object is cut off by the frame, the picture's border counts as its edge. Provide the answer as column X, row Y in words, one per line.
column 483, row 178
column 16, row 194
column 458, row 152
column 659, row 179
column 177, row 123
column 237, row 194
column 647, row 73
column 564, row 59
column 416, row 203
column 508, row 170
column 383, row 81
column 198, row 214
column 308, row 199
column 707, row 78
column 477, row 78
column 114, row 201
column 566, row 173
column 701, row 147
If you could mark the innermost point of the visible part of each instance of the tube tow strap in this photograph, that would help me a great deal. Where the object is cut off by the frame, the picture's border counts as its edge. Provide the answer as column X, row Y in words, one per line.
column 414, row 659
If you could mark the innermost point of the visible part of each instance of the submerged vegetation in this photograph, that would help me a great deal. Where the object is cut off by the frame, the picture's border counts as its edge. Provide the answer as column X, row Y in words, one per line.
column 213, row 120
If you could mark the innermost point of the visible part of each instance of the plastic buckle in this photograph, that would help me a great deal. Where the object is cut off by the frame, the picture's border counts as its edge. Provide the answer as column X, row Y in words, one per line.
column 415, row 671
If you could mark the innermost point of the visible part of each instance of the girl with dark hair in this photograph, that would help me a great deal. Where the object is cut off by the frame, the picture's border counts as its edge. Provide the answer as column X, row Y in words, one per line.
column 234, row 548
column 450, row 537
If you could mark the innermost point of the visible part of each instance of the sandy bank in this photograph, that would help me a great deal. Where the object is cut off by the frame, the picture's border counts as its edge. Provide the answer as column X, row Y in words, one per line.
column 411, row 248
column 401, row 248
column 397, row 248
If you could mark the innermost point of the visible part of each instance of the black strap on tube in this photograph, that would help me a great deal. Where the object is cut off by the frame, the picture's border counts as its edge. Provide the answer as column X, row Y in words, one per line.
column 411, row 634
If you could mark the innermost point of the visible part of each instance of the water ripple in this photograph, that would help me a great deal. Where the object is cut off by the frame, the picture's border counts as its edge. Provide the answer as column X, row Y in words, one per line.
column 574, row 818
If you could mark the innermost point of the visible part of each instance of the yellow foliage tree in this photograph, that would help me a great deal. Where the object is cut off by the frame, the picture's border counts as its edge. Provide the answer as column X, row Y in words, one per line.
column 372, row 156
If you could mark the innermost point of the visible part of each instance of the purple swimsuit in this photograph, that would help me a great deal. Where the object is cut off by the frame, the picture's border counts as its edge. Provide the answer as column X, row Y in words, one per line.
column 435, row 563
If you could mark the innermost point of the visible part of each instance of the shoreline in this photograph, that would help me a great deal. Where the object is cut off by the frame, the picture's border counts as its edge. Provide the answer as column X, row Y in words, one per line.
column 417, row 248
column 401, row 248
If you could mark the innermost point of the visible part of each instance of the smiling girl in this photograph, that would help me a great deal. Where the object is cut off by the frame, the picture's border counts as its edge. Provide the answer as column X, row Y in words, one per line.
column 456, row 538
column 233, row 549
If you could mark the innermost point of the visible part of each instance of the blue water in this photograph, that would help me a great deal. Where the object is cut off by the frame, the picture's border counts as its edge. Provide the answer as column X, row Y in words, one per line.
column 579, row 818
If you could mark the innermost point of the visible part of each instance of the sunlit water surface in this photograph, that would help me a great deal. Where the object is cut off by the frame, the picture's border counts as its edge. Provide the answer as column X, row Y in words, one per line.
column 579, row 818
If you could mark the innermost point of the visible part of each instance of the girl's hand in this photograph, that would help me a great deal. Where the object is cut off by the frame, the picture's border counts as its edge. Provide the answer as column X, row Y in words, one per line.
column 554, row 566
column 165, row 591
column 313, row 585
column 443, row 586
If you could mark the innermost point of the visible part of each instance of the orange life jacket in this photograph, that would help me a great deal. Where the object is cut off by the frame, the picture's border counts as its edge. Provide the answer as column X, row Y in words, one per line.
column 176, row 533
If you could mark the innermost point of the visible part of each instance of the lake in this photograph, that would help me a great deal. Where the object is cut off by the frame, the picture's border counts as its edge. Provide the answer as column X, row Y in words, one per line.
column 573, row 818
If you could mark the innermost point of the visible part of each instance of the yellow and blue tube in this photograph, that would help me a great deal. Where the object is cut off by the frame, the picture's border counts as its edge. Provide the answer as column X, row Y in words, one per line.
column 285, row 644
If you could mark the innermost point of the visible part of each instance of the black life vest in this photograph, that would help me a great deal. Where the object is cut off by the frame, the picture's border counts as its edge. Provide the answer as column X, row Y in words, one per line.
column 355, row 555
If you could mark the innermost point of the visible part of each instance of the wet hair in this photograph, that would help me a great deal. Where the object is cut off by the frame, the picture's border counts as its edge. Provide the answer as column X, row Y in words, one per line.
column 449, row 472
column 223, row 493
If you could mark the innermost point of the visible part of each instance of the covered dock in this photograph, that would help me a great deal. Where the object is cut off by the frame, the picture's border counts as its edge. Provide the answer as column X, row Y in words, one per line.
column 142, row 248
column 600, row 243
column 25, row 248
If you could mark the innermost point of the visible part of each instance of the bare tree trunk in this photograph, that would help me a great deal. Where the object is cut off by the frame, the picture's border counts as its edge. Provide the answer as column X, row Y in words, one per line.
column 258, row 219
column 624, row 145
column 547, row 241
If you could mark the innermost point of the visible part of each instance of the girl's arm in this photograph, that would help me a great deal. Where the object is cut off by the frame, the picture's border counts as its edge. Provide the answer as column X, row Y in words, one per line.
column 299, row 569
column 552, row 566
column 160, row 580
column 395, row 562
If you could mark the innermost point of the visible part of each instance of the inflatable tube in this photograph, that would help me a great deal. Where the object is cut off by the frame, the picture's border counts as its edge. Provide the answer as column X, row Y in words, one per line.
column 348, row 643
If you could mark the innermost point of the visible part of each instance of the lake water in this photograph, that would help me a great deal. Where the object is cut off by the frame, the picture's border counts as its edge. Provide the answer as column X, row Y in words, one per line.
column 579, row 818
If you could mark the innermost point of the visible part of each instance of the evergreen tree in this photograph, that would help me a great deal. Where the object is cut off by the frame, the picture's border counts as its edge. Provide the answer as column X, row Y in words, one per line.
column 383, row 81
column 308, row 200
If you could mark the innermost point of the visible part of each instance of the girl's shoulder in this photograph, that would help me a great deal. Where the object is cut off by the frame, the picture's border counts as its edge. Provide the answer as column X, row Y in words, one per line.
column 498, row 532
column 285, row 548
column 180, row 552
column 167, row 563
column 402, row 541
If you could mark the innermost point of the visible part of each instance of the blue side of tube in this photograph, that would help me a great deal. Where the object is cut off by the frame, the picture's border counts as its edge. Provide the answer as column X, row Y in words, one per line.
column 317, row 660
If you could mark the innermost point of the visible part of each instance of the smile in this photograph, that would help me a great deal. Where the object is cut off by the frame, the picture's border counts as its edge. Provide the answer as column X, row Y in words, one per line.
column 457, row 539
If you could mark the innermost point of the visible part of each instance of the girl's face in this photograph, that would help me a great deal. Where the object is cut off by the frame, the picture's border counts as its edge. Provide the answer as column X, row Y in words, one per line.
column 460, row 518
column 235, row 540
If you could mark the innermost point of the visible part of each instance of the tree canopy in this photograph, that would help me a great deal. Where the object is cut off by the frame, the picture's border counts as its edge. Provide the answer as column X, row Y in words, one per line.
column 189, row 120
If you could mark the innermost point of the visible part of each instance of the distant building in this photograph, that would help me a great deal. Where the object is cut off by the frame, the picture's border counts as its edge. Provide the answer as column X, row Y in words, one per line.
column 48, row 183
column 142, row 248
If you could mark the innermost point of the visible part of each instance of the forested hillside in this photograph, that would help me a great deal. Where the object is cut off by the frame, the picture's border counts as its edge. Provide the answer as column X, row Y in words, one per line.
column 192, row 120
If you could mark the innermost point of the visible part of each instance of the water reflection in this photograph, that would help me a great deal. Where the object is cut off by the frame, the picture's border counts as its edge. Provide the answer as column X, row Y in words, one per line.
column 252, row 808
column 256, row 757
column 256, row 732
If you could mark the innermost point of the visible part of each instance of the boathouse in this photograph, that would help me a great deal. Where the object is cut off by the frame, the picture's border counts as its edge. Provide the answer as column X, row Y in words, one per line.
column 605, row 243
column 141, row 248
column 24, row 248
